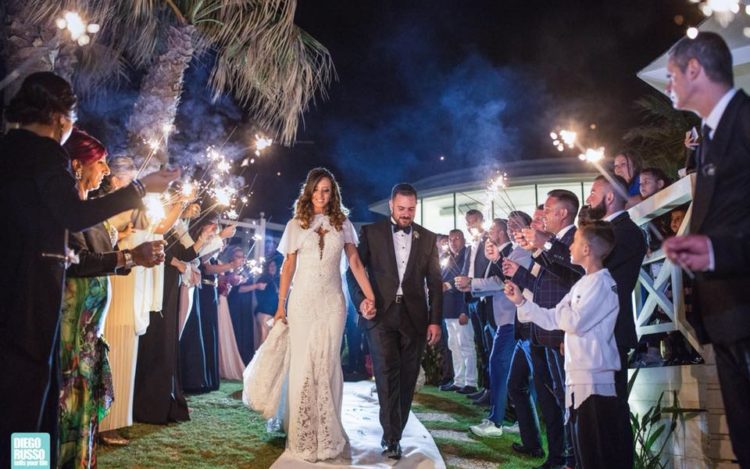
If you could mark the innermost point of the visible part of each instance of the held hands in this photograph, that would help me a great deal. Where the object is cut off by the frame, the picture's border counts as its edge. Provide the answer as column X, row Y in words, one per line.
column 149, row 254
column 691, row 251
column 433, row 334
column 509, row 267
column 367, row 309
column 463, row 283
column 513, row 293
column 159, row 181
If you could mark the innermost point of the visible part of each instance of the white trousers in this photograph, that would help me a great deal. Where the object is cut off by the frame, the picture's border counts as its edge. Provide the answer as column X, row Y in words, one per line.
column 461, row 345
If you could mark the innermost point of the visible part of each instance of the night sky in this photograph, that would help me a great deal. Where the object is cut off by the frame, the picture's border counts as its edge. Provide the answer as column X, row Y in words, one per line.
column 475, row 82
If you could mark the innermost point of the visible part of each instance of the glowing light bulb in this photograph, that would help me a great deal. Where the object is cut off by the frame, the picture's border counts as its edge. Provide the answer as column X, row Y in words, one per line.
column 692, row 33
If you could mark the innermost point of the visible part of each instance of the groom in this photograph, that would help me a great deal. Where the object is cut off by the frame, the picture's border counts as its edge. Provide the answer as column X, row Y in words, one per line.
column 401, row 258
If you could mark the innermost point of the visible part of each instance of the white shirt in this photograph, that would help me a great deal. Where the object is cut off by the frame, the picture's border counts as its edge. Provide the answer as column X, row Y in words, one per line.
column 473, row 254
column 587, row 314
column 562, row 232
column 402, row 247
column 714, row 117
column 613, row 216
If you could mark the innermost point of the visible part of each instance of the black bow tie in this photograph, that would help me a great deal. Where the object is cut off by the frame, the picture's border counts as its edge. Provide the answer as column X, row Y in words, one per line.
column 397, row 228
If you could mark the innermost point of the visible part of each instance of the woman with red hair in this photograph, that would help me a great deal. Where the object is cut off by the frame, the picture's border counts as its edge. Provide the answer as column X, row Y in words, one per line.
column 86, row 390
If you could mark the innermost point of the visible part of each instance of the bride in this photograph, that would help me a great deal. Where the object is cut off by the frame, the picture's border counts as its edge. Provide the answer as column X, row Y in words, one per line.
column 312, row 244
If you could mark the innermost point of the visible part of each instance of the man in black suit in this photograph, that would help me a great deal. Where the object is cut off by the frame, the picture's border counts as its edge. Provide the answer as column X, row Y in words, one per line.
column 607, row 202
column 401, row 258
column 701, row 80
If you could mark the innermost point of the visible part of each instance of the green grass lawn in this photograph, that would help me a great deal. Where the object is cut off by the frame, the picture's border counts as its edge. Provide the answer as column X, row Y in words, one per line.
column 491, row 450
column 224, row 433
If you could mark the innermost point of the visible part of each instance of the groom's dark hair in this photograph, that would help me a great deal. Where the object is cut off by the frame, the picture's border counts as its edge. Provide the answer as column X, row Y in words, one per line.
column 403, row 189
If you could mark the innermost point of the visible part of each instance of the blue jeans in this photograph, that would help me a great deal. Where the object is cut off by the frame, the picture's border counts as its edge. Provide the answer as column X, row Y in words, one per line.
column 523, row 395
column 500, row 360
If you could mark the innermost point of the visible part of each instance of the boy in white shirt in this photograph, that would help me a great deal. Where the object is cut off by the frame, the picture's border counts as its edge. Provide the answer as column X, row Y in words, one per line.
column 587, row 315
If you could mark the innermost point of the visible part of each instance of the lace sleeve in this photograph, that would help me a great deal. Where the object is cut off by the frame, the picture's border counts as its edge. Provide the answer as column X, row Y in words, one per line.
column 291, row 239
column 350, row 234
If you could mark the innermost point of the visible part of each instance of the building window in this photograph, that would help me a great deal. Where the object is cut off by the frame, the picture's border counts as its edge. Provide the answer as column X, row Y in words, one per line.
column 437, row 213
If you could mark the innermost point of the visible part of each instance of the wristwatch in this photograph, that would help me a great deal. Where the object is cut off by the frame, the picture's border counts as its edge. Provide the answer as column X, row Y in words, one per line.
column 129, row 263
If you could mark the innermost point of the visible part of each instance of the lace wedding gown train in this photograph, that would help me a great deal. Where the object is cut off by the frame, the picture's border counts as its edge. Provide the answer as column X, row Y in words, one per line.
column 316, row 314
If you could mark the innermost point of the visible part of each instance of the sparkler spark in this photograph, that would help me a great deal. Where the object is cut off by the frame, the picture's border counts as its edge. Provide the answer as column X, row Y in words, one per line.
column 261, row 143
column 154, row 208
column 78, row 29
column 592, row 155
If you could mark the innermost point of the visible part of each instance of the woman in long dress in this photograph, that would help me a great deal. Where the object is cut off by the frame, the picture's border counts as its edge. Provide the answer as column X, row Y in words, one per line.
column 312, row 244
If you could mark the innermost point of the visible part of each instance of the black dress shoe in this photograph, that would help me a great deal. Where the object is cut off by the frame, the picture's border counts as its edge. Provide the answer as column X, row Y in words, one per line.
column 482, row 401
column 393, row 450
column 449, row 387
column 477, row 395
column 480, row 395
column 445, row 381
column 467, row 390
column 533, row 452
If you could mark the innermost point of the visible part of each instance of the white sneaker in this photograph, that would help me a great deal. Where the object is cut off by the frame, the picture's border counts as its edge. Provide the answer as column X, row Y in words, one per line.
column 512, row 428
column 486, row 429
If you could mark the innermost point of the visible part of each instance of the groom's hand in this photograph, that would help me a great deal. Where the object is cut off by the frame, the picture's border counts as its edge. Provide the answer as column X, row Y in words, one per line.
column 367, row 308
column 433, row 334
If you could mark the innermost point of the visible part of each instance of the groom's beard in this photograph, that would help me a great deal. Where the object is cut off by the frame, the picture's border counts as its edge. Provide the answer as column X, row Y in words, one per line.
column 402, row 222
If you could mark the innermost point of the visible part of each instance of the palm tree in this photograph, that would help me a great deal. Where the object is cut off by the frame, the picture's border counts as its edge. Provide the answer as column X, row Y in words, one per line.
column 271, row 66
column 659, row 140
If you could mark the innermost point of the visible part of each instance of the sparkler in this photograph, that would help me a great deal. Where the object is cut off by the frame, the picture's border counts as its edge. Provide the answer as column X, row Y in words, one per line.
column 78, row 29
column 261, row 143
column 594, row 156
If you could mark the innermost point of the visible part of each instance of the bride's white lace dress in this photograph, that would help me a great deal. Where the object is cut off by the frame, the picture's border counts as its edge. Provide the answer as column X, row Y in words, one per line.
column 316, row 313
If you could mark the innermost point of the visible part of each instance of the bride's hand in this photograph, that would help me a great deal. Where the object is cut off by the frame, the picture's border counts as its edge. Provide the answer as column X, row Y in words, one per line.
column 280, row 315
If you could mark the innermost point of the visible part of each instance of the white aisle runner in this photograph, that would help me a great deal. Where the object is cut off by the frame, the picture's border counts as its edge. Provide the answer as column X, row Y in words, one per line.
column 362, row 425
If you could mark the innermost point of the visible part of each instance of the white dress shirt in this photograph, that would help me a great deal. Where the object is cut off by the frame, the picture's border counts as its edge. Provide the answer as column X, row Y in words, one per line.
column 714, row 117
column 402, row 247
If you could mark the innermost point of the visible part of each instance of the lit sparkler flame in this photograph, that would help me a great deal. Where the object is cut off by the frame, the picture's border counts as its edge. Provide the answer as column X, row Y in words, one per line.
column 154, row 208
column 232, row 214
column 78, row 29
column 257, row 237
column 223, row 166
column 444, row 262
column 261, row 143
column 223, row 195
column 592, row 155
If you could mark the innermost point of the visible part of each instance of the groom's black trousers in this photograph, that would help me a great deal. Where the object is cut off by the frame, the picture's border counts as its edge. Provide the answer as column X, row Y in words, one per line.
column 396, row 349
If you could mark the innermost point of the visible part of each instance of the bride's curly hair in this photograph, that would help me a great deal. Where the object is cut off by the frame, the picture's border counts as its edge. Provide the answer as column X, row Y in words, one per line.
column 303, row 207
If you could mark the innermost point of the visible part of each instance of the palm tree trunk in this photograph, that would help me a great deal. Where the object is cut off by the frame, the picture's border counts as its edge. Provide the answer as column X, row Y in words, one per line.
column 156, row 106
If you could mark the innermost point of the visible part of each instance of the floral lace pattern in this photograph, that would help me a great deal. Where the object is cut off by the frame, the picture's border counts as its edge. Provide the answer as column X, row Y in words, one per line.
column 316, row 315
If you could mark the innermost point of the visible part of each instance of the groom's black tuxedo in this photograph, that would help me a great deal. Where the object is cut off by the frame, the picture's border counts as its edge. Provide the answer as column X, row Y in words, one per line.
column 378, row 256
column 397, row 335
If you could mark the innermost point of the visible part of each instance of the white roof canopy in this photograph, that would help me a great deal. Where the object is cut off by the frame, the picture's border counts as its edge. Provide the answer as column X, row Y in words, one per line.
column 655, row 74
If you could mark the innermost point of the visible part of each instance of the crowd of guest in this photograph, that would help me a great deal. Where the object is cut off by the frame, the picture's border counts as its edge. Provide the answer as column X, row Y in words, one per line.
column 111, row 316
